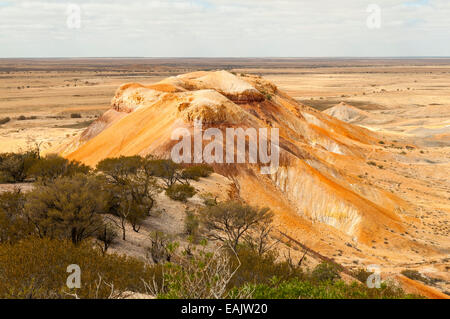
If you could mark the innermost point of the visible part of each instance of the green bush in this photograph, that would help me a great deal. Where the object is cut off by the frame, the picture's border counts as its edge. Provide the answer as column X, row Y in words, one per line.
column 14, row 224
column 295, row 289
column 37, row 268
column 197, row 171
column 209, row 199
column 68, row 208
column 191, row 225
column 180, row 192
column 119, row 169
column 14, row 166
column 325, row 272
column 415, row 275
column 261, row 269
column 75, row 115
column 47, row 169
column 361, row 274
column 166, row 169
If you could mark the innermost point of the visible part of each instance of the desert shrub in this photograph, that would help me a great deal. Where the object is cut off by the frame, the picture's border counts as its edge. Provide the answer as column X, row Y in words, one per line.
column 68, row 208
column 209, row 199
column 372, row 163
column 261, row 269
column 106, row 236
column 199, row 275
column 161, row 247
column 137, row 215
column 4, row 120
column 325, row 272
column 191, row 225
column 230, row 221
column 23, row 118
column 361, row 274
column 180, row 192
column 37, row 268
column 197, row 171
column 75, row 115
column 296, row 288
column 14, row 225
column 415, row 275
column 14, row 166
column 47, row 169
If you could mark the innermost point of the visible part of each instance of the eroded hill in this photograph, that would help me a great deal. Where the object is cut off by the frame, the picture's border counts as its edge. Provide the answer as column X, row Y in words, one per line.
column 321, row 193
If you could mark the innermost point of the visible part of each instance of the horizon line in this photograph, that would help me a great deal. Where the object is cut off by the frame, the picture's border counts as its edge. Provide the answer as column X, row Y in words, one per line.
column 233, row 57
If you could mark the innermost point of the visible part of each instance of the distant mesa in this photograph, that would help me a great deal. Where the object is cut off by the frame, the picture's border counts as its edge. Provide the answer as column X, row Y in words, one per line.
column 347, row 113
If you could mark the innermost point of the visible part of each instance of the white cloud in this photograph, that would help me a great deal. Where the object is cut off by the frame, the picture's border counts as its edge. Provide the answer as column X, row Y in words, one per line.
column 224, row 28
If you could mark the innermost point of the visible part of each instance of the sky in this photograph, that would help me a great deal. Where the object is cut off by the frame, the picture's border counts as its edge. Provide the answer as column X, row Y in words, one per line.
column 224, row 28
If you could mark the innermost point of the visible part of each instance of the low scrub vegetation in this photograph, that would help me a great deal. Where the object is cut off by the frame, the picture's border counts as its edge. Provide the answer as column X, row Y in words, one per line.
column 305, row 289
column 180, row 192
column 37, row 268
column 415, row 275
column 4, row 120
column 74, row 214
column 14, row 167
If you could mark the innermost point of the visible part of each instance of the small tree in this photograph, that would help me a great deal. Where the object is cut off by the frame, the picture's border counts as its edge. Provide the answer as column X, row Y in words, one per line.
column 48, row 168
column 132, row 189
column 14, row 166
column 68, row 208
column 133, row 175
column 165, row 169
column 230, row 221
column 260, row 239
column 136, row 217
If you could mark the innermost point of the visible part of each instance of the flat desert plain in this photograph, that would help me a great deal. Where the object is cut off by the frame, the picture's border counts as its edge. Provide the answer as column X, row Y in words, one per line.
column 406, row 101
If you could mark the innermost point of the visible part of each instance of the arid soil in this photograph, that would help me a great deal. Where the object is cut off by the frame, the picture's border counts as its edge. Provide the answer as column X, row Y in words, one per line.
column 406, row 103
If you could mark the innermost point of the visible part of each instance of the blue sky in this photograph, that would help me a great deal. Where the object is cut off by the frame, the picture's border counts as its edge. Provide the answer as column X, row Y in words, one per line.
column 224, row 28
